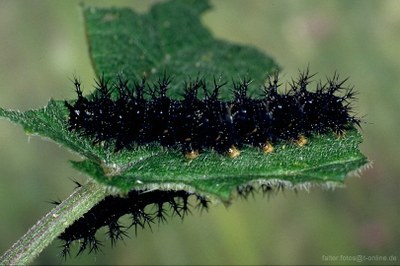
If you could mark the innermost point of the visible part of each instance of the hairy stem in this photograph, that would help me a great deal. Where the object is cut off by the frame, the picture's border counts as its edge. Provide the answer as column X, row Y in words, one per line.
column 53, row 224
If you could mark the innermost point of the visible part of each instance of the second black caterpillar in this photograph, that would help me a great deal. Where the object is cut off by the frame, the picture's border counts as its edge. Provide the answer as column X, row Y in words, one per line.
column 138, row 114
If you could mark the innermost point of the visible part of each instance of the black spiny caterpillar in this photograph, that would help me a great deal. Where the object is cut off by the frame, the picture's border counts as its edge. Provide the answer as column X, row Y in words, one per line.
column 145, row 209
column 137, row 114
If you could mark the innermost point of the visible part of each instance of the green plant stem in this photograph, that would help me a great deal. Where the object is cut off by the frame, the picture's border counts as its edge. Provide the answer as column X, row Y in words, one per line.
column 53, row 224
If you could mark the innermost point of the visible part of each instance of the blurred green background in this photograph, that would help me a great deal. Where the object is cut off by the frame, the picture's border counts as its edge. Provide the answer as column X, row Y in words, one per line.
column 42, row 45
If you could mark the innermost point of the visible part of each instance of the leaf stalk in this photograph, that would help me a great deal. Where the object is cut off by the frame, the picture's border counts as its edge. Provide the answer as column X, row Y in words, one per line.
column 53, row 224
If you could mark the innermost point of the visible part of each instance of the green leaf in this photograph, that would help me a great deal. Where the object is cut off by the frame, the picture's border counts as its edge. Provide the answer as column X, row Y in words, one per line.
column 325, row 160
column 171, row 38
column 52, row 122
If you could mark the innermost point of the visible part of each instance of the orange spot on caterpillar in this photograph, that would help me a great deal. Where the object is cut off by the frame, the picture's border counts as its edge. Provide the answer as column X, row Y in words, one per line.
column 191, row 155
column 301, row 141
column 267, row 147
column 233, row 152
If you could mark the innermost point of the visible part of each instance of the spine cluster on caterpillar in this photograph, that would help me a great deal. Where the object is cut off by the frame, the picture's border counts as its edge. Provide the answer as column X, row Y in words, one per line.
column 130, row 114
